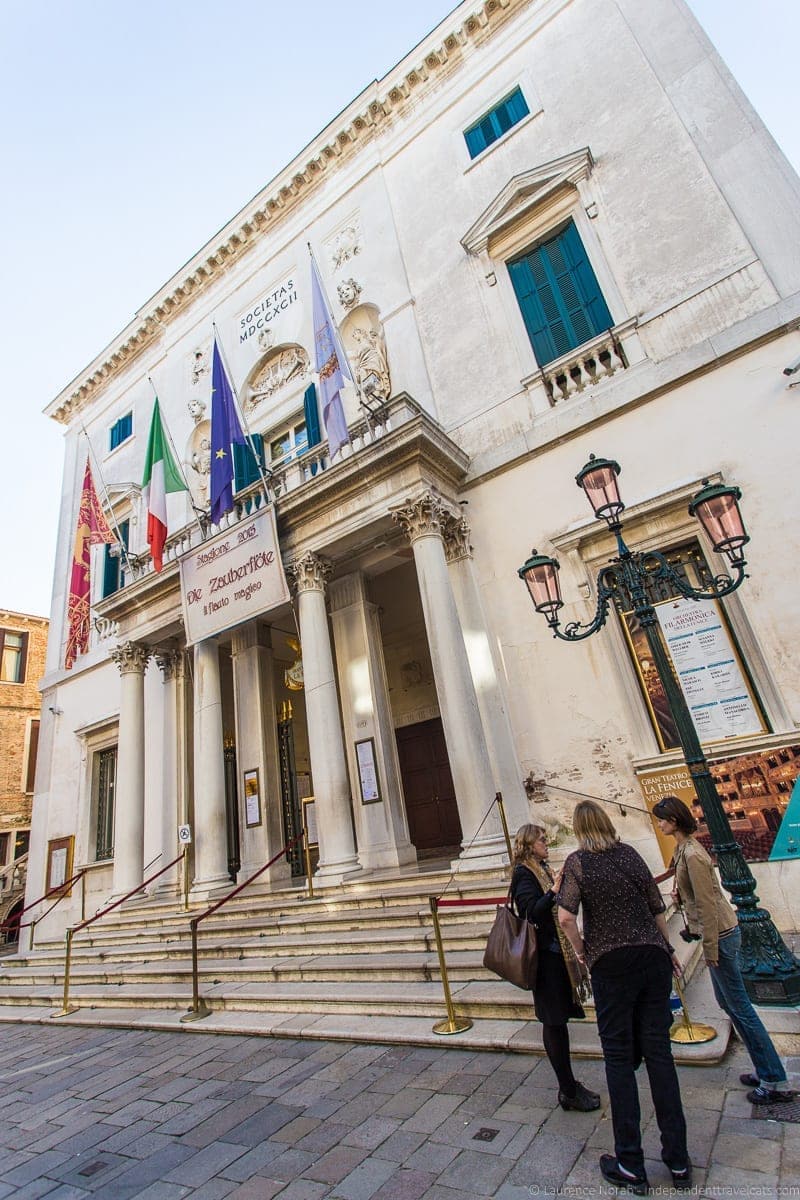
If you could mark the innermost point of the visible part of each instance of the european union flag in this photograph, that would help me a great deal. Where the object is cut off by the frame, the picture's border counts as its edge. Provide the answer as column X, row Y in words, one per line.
column 225, row 430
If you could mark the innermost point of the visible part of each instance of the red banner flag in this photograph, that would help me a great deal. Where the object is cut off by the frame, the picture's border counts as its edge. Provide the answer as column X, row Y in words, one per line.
column 92, row 528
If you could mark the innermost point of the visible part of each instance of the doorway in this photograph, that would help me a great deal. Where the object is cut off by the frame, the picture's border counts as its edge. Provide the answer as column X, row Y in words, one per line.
column 433, row 821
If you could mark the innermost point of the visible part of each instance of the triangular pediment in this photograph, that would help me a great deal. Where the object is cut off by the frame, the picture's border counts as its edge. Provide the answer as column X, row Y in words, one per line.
column 524, row 192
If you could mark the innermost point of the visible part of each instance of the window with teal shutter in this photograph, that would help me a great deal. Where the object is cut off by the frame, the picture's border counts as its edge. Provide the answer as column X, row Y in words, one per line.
column 120, row 431
column 311, row 413
column 496, row 122
column 245, row 467
column 559, row 296
column 113, row 565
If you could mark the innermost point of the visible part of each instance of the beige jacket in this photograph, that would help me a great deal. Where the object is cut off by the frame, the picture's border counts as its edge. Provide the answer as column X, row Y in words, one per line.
column 706, row 907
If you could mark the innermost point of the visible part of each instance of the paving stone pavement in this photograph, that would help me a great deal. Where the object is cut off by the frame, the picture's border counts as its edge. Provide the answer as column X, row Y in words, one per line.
column 105, row 1114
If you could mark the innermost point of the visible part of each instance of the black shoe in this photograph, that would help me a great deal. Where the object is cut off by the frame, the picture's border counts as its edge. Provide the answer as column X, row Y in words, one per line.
column 582, row 1101
column 682, row 1180
column 612, row 1173
column 749, row 1080
column 764, row 1095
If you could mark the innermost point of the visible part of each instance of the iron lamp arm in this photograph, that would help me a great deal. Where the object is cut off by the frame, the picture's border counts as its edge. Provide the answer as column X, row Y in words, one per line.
column 577, row 631
column 721, row 585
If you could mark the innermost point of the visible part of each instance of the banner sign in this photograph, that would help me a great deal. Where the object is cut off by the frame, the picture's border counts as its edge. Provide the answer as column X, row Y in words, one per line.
column 232, row 578
column 708, row 670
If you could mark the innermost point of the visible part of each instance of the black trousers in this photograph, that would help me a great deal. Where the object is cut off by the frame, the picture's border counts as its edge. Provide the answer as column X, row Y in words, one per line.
column 631, row 992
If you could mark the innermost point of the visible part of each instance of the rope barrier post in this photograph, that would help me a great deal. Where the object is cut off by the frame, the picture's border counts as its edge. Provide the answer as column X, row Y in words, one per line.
column 307, row 856
column 185, row 866
column 66, row 1007
column 199, row 1007
column 501, row 809
column 453, row 1024
column 686, row 1030
column 33, row 932
column 83, row 895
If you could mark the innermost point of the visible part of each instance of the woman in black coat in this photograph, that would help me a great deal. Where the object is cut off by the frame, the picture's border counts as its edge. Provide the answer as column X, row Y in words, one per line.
column 533, row 891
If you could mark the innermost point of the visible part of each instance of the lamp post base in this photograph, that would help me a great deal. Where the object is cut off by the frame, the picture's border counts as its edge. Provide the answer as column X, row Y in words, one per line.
column 781, row 991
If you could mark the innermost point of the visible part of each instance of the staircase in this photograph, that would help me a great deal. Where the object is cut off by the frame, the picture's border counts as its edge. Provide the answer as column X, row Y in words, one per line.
column 358, row 961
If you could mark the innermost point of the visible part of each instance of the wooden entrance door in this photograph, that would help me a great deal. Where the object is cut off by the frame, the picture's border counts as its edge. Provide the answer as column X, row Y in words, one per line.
column 433, row 821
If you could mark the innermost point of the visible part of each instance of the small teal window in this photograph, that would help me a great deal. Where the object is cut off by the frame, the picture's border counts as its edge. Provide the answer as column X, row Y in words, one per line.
column 246, row 469
column 114, row 564
column 559, row 296
column 496, row 122
column 120, row 431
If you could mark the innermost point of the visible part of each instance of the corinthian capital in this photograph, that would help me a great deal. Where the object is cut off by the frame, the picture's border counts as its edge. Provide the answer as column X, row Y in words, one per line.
column 309, row 573
column 131, row 657
column 171, row 663
column 456, row 539
column 423, row 516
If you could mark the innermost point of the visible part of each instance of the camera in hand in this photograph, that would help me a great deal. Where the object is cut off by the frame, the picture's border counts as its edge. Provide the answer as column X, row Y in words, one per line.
column 688, row 936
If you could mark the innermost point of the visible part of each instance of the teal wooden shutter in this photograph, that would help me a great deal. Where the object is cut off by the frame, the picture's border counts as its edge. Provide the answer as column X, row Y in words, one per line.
column 311, row 412
column 112, row 566
column 245, row 466
column 559, row 296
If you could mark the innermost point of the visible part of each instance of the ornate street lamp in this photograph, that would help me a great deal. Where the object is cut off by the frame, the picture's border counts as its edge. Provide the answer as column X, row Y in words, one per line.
column 771, row 971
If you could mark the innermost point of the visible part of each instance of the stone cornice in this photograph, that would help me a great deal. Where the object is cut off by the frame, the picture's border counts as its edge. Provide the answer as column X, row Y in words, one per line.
column 375, row 110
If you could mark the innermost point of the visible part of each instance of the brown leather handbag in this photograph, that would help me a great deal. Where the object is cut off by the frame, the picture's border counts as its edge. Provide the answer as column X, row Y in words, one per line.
column 511, row 947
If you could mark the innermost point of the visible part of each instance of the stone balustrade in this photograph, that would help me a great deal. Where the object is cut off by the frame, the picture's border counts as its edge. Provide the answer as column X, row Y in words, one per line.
column 584, row 367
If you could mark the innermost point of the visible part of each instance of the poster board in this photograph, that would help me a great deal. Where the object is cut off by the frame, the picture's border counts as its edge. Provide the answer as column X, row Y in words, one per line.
column 252, row 799
column 310, row 821
column 60, row 853
column 368, row 780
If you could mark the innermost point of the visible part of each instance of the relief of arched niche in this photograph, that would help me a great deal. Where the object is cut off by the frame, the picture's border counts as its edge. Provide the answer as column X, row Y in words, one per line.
column 198, row 462
column 281, row 366
column 365, row 344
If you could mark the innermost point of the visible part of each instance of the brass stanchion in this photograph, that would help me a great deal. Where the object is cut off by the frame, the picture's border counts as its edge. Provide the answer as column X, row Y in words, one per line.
column 504, row 823
column 83, row 895
column 33, row 931
column 66, row 1007
column 307, row 856
column 686, row 1030
column 199, row 1007
column 453, row 1024
column 185, row 866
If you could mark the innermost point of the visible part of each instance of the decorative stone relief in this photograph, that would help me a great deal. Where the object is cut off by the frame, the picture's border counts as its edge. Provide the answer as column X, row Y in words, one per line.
column 456, row 539
column 200, row 367
column 197, row 408
column 424, row 516
column 279, row 367
column 365, row 343
column 346, row 244
column 198, row 456
column 131, row 657
column 348, row 292
column 171, row 664
column 309, row 573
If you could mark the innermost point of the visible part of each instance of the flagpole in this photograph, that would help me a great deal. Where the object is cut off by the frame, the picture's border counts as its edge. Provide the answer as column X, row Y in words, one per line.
column 339, row 343
column 243, row 420
column 108, row 505
column 197, row 511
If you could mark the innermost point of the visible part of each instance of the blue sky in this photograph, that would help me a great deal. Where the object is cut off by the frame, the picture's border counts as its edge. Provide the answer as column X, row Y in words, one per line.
column 131, row 132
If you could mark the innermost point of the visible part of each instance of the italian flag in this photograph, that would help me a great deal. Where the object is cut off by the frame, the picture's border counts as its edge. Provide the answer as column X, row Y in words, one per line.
column 161, row 475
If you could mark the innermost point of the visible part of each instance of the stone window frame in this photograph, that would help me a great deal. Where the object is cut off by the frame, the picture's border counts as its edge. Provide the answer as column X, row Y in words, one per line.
column 94, row 739
column 660, row 523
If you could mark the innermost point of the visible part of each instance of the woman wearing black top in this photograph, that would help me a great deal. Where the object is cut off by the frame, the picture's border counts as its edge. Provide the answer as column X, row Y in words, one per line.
column 533, row 890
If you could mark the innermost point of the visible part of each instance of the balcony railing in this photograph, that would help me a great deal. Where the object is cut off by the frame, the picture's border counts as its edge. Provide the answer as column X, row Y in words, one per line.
column 296, row 473
column 584, row 367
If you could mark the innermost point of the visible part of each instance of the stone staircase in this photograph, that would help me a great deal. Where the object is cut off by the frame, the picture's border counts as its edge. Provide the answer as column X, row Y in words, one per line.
column 356, row 961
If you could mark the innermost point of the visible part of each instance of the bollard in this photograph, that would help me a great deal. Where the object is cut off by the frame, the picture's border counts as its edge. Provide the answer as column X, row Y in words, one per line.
column 199, row 1007
column 67, row 1008
column 685, row 1030
column 453, row 1024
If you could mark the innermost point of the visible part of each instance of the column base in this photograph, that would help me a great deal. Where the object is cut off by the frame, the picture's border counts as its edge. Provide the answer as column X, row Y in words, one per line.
column 387, row 857
column 331, row 874
column 210, row 889
column 278, row 876
column 481, row 855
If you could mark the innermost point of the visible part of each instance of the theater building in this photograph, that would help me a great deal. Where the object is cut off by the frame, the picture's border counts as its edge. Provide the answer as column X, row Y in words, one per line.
column 556, row 228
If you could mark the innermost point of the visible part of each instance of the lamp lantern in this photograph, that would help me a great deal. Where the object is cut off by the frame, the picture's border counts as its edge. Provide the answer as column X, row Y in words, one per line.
column 716, row 507
column 540, row 574
column 598, row 478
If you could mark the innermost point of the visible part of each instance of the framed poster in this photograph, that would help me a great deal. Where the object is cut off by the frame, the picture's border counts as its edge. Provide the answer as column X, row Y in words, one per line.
column 368, row 771
column 310, row 821
column 252, row 799
column 59, row 863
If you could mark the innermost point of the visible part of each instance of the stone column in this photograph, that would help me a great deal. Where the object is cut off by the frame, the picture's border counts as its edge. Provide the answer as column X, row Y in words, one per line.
column 337, row 852
column 210, row 838
column 131, row 658
column 174, row 776
column 382, row 826
column 423, row 519
column 257, row 749
column 492, row 704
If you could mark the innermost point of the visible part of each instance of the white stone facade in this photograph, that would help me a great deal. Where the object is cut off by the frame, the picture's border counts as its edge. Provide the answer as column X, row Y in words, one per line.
column 403, row 553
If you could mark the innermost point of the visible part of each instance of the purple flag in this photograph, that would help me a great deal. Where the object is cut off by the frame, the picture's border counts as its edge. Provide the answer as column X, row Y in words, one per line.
column 225, row 429
column 332, row 366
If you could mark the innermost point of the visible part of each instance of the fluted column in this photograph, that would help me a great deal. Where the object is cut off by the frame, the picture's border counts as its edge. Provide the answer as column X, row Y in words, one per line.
column 257, row 749
column 423, row 519
column 132, row 659
column 174, row 782
column 337, row 852
column 491, row 701
column 209, row 833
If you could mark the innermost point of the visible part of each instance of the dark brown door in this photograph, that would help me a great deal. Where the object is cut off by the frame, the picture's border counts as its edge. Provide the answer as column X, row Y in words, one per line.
column 433, row 822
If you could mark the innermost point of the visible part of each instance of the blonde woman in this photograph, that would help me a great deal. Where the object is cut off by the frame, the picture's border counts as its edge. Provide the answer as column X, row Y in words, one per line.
column 533, row 890
column 626, row 948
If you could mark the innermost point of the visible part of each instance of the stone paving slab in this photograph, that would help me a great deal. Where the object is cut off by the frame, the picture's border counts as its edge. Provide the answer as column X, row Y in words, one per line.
column 107, row 1114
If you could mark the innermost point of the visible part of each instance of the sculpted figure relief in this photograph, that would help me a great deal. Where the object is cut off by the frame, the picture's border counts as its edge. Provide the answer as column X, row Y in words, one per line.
column 347, row 245
column 199, row 366
column 290, row 362
column 371, row 365
column 201, row 463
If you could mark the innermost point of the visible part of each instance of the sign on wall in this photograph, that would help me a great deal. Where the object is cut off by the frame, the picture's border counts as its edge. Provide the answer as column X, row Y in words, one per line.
column 232, row 578
column 277, row 311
